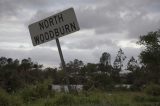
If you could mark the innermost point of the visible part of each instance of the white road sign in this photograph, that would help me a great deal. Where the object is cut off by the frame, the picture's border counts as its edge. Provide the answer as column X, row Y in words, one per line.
column 55, row 26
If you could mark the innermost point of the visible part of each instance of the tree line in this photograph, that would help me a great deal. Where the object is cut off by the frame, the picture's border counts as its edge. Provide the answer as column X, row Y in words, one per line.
column 16, row 74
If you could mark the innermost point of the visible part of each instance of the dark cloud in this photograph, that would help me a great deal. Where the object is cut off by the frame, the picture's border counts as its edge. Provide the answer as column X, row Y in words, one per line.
column 117, row 16
column 110, row 16
column 100, row 21
column 11, row 7
column 142, row 27
column 90, row 43
column 104, row 24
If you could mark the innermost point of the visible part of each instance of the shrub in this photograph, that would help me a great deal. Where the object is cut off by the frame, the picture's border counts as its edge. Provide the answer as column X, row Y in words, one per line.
column 49, row 103
column 139, row 98
column 8, row 100
column 65, row 99
column 134, row 88
column 153, row 99
column 4, row 100
column 28, row 94
column 34, row 92
column 89, row 100
column 146, row 99
column 153, row 90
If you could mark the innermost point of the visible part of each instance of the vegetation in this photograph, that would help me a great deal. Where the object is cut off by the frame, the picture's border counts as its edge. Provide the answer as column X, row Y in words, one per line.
column 91, row 98
column 24, row 82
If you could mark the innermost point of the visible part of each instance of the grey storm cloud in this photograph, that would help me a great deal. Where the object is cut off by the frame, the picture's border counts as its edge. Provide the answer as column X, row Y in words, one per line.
column 110, row 16
column 11, row 6
column 90, row 43
column 116, row 16
column 103, row 23
column 94, row 19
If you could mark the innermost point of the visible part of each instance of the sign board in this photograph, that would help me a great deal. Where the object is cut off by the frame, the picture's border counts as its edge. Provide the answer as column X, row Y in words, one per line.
column 53, row 27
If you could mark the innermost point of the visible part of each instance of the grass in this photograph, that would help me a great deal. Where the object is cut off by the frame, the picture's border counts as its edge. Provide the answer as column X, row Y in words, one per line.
column 40, row 96
column 98, row 99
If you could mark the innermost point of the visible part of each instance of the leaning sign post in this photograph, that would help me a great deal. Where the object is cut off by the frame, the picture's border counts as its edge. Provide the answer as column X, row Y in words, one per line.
column 53, row 27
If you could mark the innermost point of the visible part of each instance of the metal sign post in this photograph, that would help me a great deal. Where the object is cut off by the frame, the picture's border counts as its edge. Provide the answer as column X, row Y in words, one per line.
column 63, row 63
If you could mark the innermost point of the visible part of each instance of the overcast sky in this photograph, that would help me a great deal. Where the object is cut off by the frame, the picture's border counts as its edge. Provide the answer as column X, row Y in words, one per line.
column 106, row 26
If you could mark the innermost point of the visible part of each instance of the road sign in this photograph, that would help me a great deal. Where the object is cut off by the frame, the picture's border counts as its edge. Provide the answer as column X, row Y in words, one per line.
column 53, row 27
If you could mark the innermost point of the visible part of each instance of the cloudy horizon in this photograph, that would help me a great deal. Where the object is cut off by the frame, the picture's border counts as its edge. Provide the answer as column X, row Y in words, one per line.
column 105, row 26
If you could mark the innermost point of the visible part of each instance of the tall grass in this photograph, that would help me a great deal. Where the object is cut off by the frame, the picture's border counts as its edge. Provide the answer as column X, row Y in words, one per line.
column 9, row 100
column 40, row 95
column 99, row 99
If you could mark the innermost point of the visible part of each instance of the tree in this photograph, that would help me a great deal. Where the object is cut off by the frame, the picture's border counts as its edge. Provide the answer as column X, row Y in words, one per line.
column 105, row 63
column 150, row 56
column 132, row 64
column 136, row 76
column 117, row 66
column 105, row 59
column 91, row 68
column 74, row 70
column 120, row 58
column 74, row 66
column 51, row 73
column 26, row 64
column 15, row 75
column 9, row 78
column 3, row 61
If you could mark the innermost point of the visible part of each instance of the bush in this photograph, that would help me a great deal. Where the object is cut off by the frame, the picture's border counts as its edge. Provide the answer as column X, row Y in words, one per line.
column 139, row 98
column 49, row 103
column 65, row 99
column 4, row 100
column 146, row 99
column 8, row 100
column 153, row 90
column 70, row 99
column 134, row 88
column 89, row 100
column 34, row 92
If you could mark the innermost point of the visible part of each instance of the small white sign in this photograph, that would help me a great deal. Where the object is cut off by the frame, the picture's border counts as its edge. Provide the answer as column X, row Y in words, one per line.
column 55, row 26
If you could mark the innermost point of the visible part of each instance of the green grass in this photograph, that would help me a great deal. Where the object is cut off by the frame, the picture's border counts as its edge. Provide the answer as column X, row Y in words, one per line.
column 99, row 99
column 92, row 98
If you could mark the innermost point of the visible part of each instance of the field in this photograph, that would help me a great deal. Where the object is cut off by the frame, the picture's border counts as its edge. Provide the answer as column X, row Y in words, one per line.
column 92, row 98
column 100, row 99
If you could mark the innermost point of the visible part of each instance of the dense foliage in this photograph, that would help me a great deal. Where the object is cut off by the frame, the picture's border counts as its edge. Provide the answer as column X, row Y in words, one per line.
column 16, row 74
